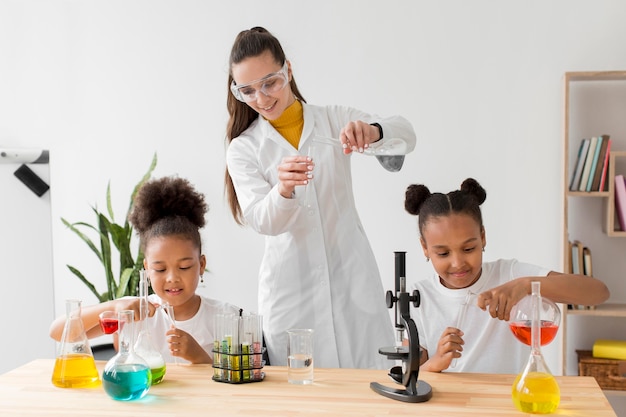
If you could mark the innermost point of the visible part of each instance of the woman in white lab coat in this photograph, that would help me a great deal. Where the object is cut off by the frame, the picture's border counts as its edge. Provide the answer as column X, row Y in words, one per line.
column 318, row 270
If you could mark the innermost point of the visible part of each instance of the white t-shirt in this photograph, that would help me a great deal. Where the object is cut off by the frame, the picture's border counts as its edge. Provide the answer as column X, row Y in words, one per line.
column 200, row 326
column 489, row 343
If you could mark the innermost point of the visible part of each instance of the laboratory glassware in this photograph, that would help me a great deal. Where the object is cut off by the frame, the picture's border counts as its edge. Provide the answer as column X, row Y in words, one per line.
column 126, row 376
column 75, row 366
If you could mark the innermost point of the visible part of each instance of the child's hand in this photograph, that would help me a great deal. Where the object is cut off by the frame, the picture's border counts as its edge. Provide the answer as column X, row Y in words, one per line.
column 183, row 345
column 450, row 346
column 501, row 299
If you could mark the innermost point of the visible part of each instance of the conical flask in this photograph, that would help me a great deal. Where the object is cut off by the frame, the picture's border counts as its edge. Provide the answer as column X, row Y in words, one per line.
column 126, row 376
column 144, row 346
column 75, row 366
column 535, row 390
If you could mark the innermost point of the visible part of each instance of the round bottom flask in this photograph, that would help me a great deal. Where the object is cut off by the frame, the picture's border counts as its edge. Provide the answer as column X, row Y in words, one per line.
column 535, row 390
column 126, row 376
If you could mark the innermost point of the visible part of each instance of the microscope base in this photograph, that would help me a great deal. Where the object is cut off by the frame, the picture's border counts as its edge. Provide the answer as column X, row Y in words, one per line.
column 423, row 394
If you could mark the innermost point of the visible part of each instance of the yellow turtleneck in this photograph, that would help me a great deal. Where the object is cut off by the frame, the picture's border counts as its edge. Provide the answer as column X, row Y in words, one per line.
column 291, row 123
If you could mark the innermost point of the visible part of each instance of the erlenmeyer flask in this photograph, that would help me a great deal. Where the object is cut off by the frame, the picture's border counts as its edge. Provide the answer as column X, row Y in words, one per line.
column 535, row 390
column 144, row 346
column 75, row 366
column 126, row 375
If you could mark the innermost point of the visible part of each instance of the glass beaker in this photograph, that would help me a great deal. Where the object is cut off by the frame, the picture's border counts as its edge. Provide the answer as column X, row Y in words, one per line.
column 75, row 366
column 535, row 390
column 144, row 346
column 521, row 320
column 126, row 376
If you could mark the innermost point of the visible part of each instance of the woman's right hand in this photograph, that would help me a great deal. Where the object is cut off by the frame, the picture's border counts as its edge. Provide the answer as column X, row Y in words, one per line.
column 450, row 346
column 294, row 171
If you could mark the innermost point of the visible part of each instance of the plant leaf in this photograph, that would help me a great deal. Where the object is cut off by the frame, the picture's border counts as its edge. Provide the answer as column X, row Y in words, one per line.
column 122, row 290
column 105, row 244
column 86, row 282
column 87, row 240
column 108, row 199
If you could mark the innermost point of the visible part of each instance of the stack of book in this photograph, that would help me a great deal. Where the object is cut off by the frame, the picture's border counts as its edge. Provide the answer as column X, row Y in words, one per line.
column 580, row 263
column 591, row 168
column 620, row 201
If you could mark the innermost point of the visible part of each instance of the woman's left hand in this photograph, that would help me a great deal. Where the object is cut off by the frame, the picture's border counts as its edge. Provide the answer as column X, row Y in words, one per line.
column 356, row 136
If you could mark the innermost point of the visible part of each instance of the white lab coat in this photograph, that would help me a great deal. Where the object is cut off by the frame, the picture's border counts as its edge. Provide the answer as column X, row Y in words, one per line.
column 318, row 270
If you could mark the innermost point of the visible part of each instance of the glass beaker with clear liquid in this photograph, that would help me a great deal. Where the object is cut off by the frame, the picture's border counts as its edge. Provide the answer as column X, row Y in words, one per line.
column 75, row 366
column 144, row 346
column 535, row 389
column 126, row 376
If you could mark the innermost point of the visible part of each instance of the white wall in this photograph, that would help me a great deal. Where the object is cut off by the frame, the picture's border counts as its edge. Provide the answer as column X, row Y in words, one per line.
column 104, row 84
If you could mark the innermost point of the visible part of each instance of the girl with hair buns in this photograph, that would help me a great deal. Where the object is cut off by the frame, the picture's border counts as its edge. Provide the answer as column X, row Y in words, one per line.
column 453, row 238
column 168, row 214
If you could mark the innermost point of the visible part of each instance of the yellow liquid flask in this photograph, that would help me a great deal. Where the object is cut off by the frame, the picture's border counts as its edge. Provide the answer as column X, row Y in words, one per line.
column 535, row 390
column 144, row 346
column 75, row 366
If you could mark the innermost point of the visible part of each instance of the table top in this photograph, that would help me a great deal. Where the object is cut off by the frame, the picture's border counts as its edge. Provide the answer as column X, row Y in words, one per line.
column 189, row 390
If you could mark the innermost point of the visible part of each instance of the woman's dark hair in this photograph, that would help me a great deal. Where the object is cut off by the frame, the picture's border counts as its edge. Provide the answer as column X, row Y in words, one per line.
column 249, row 43
column 168, row 206
column 419, row 201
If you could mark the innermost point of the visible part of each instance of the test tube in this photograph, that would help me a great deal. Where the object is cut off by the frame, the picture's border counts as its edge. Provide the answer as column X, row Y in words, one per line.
column 169, row 309
column 256, row 326
column 246, row 348
column 235, row 349
column 218, row 327
column 460, row 318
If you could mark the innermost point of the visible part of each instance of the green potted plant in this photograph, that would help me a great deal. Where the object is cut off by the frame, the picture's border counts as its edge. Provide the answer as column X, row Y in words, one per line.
column 112, row 237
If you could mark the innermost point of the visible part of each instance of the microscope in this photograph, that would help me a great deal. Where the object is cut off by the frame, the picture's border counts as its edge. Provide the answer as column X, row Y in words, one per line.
column 415, row 391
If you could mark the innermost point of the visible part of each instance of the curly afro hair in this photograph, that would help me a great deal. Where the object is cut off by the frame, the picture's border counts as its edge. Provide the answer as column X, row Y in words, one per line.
column 168, row 206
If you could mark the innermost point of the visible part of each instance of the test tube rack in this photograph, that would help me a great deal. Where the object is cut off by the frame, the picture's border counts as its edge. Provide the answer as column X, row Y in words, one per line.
column 238, row 349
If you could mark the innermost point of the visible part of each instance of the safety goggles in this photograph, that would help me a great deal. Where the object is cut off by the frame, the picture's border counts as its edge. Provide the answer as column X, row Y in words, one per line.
column 270, row 84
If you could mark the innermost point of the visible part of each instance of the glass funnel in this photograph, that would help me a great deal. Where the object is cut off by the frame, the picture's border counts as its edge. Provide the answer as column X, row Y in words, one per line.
column 126, row 375
column 144, row 345
column 535, row 389
column 521, row 319
column 75, row 366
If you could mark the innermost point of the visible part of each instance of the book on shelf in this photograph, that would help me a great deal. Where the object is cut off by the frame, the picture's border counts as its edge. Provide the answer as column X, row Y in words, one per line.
column 576, row 249
column 587, row 266
column 588, row 270
column 620, row 201
column 580, row 264
column 580, row 163
column 594, row 163
column 588, row 162
column 605, row 168
column 594, row 179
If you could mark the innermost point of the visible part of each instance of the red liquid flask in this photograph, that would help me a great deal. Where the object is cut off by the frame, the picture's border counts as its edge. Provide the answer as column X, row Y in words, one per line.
column 520, row 322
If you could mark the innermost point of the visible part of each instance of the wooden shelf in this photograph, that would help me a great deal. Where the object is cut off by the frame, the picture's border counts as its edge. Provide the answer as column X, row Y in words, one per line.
column 603, row 310
column 610, row 214
column 588, row 194
column 594, row 104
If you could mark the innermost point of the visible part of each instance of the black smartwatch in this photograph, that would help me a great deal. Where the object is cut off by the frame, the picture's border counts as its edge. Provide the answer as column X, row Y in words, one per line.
column 380, row 130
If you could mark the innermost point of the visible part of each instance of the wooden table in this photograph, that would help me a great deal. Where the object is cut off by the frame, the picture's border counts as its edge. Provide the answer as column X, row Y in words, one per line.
column 188, row 390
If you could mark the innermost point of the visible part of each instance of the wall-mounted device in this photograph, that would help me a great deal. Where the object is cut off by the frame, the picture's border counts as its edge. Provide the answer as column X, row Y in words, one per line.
column 24, row 156
column 31, row 180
